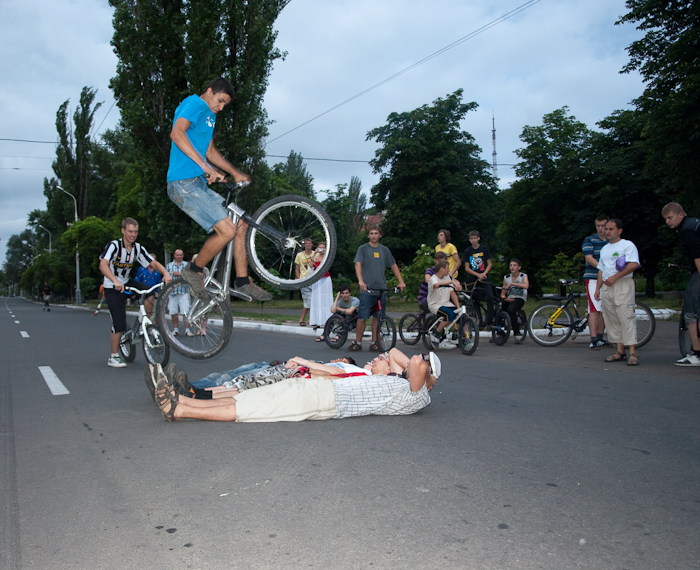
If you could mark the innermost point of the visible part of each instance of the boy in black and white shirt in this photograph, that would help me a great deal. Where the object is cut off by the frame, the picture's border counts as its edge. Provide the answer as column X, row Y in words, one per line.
column 116, row 263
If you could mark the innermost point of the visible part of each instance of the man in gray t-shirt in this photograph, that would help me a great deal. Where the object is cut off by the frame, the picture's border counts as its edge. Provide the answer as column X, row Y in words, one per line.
column 371, row 262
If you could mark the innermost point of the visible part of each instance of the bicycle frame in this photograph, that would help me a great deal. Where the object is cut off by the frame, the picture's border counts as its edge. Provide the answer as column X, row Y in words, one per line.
column 138, row 330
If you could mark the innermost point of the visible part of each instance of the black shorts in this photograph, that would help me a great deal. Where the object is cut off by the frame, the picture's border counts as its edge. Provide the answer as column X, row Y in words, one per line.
column 116, row 302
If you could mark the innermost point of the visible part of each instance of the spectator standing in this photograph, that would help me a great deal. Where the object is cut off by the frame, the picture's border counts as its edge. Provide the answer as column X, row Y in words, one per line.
column 179, row 300
column 321, row 292
column 446, row 246
column 618, row 261
column 371, row 262
column 303, row 265
column 591, row 250
column 477, row 263
column 689, row 231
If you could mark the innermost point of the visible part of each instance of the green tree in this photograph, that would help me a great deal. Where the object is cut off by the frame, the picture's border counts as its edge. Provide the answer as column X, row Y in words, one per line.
column 549, row 209
column 431, row 176
column 73, row 165
column 346, row 206
column 294, row 173
column 20, row 251
column 667, row 58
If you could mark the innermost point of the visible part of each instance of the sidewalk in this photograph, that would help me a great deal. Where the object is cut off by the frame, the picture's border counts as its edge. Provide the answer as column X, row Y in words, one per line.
column 292, row 326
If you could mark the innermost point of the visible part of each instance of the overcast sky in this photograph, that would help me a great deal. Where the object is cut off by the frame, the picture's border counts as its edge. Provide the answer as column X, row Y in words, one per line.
column 553, row 53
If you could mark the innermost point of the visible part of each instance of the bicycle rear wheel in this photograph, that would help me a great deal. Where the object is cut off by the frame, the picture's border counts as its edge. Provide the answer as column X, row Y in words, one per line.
column 646, row 323
column 159, row 351
column 468, row 339
column 386, row 333
column 210, row 323
column 549, row 331
column 295, row 218
column 501, row 331
column 335, row 333
column 410, row 328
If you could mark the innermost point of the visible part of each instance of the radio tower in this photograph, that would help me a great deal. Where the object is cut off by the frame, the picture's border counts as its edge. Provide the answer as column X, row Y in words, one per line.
column 494, row 167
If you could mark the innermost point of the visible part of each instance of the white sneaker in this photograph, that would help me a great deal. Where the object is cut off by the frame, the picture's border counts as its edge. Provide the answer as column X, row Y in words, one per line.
column 188, row 332
column 116, row 362
column 446, row 344
column 690, row 360
column 434, row 339
column 176, row 332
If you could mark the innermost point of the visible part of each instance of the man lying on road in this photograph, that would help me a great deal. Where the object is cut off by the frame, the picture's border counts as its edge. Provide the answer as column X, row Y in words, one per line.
column 401, row 392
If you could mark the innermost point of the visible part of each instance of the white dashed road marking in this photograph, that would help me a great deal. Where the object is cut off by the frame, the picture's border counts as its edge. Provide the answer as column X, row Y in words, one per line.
column 52, row 381
column 24, row 334
column 16, row 322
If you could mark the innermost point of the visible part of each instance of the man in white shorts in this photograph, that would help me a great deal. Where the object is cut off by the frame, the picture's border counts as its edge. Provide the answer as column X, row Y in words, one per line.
column 298, row 399
column 591, row 250
column 179, row 300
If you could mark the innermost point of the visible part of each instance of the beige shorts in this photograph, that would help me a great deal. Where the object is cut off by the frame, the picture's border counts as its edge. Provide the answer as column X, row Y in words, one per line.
column 292, row 400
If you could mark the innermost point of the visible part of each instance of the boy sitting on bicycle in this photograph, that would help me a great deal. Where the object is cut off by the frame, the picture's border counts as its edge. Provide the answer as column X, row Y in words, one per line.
column 442, row 301
column 515, row 288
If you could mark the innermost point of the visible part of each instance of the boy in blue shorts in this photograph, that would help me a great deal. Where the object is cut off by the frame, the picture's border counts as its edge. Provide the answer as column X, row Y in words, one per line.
column 192, row 157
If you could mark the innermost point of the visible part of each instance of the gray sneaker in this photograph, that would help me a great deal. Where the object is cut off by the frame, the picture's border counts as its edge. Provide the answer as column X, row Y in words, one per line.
column 254, row 292
column 196, row 282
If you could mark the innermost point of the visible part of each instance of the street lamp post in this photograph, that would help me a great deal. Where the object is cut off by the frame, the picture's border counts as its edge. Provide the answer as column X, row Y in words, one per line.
column 78, row 294
column 48, row 232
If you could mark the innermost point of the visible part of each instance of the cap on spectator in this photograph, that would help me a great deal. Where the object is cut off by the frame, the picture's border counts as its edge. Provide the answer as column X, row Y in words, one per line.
column 435, row 365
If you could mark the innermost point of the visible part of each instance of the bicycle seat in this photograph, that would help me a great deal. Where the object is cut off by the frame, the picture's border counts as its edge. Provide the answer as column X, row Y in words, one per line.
column 568, row 281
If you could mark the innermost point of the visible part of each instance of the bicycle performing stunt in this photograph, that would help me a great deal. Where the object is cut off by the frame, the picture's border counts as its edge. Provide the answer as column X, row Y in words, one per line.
column 192, row 153
column 269, row 240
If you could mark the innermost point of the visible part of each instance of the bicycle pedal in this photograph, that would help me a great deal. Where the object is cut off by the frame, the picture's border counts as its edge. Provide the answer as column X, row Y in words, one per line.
column 241, row 295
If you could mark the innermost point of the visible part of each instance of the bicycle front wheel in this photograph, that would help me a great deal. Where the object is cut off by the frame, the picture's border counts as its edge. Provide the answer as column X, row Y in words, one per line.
column 210, row 324
column 410, row 328
column 386, row 333
column 468, row 339
column 127, row 348
column 501, row 331
column 158, row 352
column 429, row 332
column 548, row 330
column 294, row 218
column 335, row 333
column 646, row 323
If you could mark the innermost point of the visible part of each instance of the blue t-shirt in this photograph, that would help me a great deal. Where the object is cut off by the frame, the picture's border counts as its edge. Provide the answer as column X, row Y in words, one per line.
column 202, row 120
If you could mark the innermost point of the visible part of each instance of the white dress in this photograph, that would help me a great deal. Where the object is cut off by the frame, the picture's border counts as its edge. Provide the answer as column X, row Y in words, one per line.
column 321, row 301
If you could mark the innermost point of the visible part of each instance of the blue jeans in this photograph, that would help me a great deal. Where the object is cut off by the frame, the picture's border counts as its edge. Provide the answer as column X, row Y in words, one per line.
column 194, row 197
column 218, row 378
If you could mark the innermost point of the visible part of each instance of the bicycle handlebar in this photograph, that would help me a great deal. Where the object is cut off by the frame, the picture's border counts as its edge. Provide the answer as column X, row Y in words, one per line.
column 371, row 291
column 129, row 289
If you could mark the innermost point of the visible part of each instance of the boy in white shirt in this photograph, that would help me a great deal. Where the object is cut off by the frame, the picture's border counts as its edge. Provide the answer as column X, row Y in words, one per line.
column 442, row 300
column 618, row 261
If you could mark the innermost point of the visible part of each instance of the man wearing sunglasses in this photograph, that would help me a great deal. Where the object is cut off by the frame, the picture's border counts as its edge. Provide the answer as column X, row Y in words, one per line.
column 321, row 398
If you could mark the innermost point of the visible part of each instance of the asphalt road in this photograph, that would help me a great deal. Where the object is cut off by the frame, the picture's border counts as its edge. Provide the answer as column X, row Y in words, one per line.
column 528, row 457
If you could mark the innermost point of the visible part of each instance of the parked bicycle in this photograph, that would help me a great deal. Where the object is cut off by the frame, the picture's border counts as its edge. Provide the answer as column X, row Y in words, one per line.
column 475, row 300
column 464, row 329
column 274, row 237
column 552, row 323
column 337, row 326
column 144, row 331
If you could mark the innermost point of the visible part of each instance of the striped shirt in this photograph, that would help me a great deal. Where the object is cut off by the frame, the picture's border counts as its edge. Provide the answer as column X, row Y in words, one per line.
column 172, row 267
column 122, row 260
column 592, row 246
column 377, row 395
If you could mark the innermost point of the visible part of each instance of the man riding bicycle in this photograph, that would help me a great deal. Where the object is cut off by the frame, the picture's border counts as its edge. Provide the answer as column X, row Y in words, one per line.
column 192, row 157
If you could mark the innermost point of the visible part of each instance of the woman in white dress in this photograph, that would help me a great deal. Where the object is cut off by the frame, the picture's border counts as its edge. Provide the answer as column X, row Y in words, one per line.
column 321, row 293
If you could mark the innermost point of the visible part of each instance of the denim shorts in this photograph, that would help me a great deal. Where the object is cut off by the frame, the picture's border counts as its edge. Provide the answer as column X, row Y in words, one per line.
column 367, row 302
column 194, row 197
